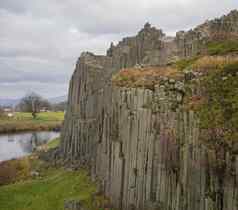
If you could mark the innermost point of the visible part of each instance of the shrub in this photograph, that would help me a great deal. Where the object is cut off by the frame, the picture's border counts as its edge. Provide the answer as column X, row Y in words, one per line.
column 14, row 170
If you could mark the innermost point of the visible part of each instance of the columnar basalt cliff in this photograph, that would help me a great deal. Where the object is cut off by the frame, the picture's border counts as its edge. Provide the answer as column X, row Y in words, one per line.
column 136, row 130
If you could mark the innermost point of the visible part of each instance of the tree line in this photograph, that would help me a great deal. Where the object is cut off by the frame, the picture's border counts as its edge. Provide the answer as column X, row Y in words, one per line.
column 35, row 103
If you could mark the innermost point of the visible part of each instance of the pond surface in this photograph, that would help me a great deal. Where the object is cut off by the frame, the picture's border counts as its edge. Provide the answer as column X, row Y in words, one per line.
column 22, row 144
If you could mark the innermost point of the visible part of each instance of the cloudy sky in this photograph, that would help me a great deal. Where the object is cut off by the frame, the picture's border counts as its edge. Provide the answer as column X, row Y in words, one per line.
column 40, row 40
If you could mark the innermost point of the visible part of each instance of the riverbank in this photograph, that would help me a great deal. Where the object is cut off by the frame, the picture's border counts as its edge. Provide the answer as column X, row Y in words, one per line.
column 45, row 121
column 37, row 185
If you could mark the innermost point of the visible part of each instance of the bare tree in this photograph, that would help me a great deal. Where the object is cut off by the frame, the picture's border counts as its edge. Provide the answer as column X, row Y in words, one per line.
column 33, row 103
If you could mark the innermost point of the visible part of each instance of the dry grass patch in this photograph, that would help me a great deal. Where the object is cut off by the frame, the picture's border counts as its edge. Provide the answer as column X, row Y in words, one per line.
column 146, row 77
column 208, row 63
column 14, row 170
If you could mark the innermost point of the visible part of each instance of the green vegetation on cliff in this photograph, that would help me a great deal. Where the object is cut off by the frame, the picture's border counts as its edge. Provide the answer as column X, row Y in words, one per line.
column 214, row 98
column 213, row 48
column 219, row 110
column 25, row 122
column 222, row 47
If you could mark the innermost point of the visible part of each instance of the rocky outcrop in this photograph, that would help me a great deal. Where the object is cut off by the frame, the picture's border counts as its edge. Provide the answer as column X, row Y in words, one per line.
column 193, row 42
column 151, row 156
column 141, row 143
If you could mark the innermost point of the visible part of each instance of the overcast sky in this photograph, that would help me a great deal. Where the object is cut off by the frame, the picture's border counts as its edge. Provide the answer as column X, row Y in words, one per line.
column 40, row 40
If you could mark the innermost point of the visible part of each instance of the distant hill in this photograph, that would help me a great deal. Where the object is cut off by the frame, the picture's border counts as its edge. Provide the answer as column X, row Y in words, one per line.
column 8, row 102
column 13, row 102
column 58, row 99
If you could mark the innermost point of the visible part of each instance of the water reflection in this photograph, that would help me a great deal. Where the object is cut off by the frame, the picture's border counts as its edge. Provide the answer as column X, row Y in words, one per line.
column 18, row 145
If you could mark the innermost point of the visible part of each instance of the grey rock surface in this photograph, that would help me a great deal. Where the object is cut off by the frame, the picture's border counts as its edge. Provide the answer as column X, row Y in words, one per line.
column 141, row 144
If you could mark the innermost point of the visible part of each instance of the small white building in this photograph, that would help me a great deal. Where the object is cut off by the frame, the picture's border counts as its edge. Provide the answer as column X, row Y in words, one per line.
column 10, row 114
column 44, row 109
column 8, row 111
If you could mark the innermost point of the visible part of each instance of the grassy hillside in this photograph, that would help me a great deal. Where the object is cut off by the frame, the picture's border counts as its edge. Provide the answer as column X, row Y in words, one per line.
column 49, row 191
column 25, row 122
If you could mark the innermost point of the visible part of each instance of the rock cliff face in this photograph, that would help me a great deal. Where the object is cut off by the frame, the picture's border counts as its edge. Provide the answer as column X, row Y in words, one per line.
column 142, row 144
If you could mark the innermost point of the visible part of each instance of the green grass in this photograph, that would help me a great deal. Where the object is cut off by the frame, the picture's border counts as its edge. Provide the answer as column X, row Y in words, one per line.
column 49, row 192
column 53, row 143
column 43, row 116
column 222, row 48
column 185, row 63
column 231, row 68
column 25, row 122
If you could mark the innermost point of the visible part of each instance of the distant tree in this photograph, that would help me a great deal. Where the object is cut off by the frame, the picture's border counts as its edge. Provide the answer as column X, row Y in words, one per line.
column 33, row 103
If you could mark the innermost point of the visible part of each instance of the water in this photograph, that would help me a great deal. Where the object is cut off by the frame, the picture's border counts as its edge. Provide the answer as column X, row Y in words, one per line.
column 22, row 144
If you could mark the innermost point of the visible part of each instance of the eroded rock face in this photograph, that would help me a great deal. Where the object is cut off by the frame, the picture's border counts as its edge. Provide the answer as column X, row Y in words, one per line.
column 141, row 144
column 87, row 96
column 152, row 156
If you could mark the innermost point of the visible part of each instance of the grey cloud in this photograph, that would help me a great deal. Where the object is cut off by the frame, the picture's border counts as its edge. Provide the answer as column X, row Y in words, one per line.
column 19, row 89
column 41, row 40
column 107, row 16
column 13, row 6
